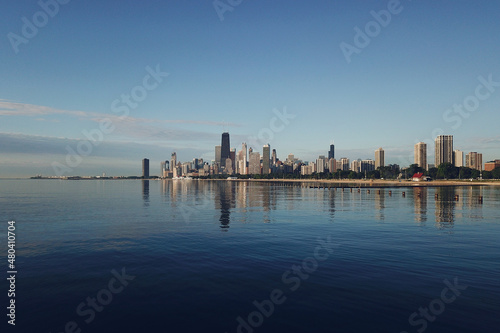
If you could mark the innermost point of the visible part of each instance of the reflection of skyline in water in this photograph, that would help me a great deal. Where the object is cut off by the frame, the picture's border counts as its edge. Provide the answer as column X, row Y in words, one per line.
column 420, row 204
column 145, row 192
column 224, row 201
column 245, row 198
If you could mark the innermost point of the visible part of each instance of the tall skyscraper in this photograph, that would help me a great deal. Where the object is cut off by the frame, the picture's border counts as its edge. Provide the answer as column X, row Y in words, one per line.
column 274, row 157
column 320, row 164
column 379, row 158
column 331, row 152
column 173, row 161
column 266, row 159
column 145, row 168
column 254, row 163
column 218, row 156
column 245, row 159
column 474, row 160
column 225, row 146
column 444, row 149
column 420, row 152
column 458, row 158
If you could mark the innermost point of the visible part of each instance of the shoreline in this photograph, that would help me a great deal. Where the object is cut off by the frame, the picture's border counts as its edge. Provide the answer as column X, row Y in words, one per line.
column 332, row 182
column 369, row 183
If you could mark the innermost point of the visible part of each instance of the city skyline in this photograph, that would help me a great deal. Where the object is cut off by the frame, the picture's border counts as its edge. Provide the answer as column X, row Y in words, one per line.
column 285, row 82
column 241, row 163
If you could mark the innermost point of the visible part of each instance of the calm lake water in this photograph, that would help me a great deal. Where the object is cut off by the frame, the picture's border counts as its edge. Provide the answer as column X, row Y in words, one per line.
column 219, row 256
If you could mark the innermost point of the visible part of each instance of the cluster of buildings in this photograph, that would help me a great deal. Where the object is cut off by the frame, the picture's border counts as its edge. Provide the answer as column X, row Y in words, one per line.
column 248, row 161
column 444, row 153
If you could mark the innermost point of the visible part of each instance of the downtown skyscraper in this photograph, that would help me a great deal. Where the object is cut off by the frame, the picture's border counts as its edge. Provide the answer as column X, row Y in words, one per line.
column 225, row 148
column 266, row 158
column 145, row 168
column 379, row 158
column 331, row 152
column 420, row 152
column 444, row 149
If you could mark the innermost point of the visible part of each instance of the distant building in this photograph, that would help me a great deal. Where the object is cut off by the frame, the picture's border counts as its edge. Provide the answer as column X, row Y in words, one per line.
column 344, row 164
column 173, row 161
column 474, row 160
column 356, row 165
column 254, row 163
column 379, row 158
column 274, row 157
column 320, row 164
column 266, row 159
column 492, row 165
column 165, row 169
column 229, row 166
column 225, row 147
column 232, row 157
column 339, row 165
column 331, row 152
column 367, row 165
column 218, row 155
column 458, row 158
column 420, row 154
column 332, row 165
column 444, row 149
column 145, row 168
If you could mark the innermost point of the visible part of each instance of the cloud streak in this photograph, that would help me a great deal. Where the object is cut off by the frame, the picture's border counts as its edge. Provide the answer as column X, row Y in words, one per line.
column 10, row 109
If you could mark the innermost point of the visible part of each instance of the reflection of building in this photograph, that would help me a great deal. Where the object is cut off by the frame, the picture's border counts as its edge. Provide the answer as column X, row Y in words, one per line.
column 379, row 158
column 145, row 168
column 444, row 149
column 380, row 205
column 420, row 152
column 224, row 201
column 420, row 204
column 145, row 192
column 445, row 205
column 474, row 160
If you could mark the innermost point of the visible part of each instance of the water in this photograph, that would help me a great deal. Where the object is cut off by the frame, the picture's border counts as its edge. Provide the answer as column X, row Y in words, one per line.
column 198, row 254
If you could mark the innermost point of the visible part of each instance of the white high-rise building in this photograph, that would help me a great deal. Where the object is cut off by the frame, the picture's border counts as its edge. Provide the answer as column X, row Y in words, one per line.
column 458, row 158
column 344, row 162
column 254, row 164
column 420, row 152
column 356, row 165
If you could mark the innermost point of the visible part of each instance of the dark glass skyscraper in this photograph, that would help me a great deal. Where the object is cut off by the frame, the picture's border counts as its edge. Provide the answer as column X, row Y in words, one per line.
column 331, row 152
column 266, row 159
column 145, row 168
column 225, row 147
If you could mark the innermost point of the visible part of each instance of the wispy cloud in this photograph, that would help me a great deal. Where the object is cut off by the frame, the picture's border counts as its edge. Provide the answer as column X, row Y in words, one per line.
column 9, row 108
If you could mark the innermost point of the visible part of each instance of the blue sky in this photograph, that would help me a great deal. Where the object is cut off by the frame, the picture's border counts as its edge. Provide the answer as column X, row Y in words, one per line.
column 263, row 57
